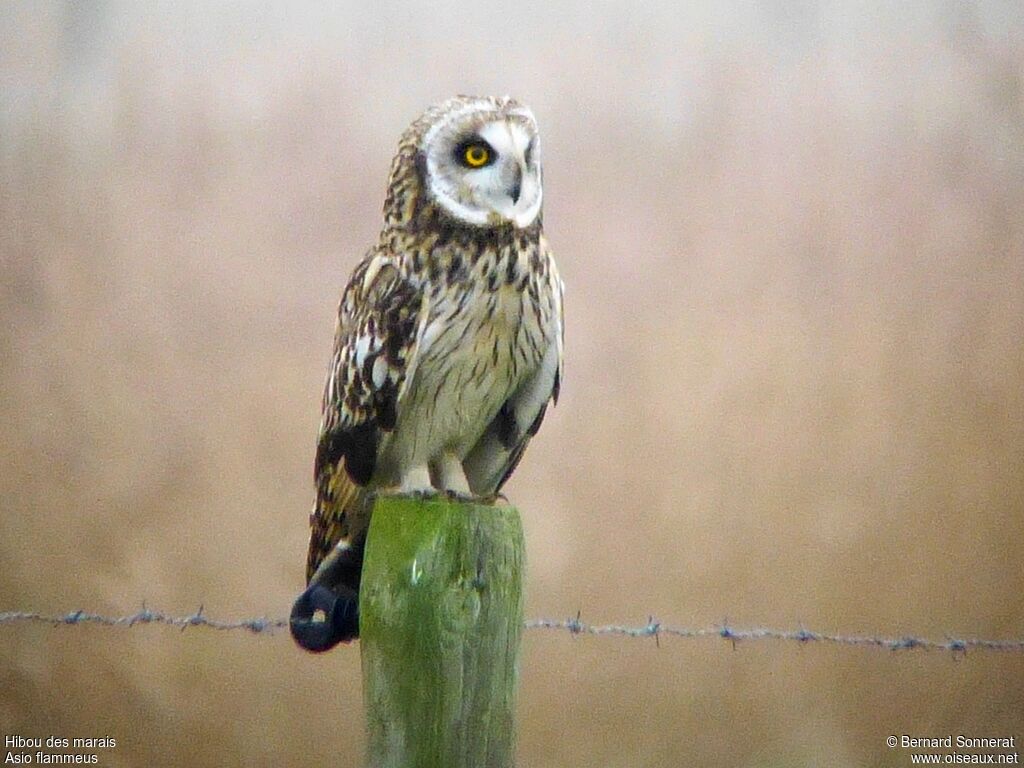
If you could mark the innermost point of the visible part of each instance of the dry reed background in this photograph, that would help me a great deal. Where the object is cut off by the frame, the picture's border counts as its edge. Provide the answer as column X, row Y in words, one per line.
column 793, row 238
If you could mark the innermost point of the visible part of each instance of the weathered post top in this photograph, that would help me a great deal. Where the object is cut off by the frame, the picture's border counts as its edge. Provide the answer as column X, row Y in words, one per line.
column 441, row 617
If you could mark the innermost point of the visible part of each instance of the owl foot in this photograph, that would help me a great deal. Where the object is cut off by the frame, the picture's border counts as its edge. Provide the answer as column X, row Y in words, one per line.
column 434, row 494
column 491, row 499
column 324, row 616
column 424, row 494
column 465, row 498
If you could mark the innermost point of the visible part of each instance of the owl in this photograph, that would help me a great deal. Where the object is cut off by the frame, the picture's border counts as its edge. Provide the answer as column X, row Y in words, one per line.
column 448, row 346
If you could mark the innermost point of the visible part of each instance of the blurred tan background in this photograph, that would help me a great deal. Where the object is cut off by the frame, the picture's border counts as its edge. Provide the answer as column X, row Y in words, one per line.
column 793, row 241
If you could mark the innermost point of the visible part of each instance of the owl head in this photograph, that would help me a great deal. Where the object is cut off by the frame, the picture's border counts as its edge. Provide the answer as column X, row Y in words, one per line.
column 478, row 161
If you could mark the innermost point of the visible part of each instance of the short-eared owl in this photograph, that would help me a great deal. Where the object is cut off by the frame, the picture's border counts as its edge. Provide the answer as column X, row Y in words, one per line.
column 448, row 344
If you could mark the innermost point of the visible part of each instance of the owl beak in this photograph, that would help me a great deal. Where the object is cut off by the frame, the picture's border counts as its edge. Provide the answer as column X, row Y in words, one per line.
column 515, row 188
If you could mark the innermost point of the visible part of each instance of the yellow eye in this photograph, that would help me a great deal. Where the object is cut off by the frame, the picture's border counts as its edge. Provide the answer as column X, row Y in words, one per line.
column 476, row 155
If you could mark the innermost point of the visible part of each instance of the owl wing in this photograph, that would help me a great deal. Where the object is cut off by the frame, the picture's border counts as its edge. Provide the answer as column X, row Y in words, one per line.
column 379, row 323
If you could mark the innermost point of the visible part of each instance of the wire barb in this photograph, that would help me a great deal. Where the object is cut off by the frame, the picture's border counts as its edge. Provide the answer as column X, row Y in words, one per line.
column 574, row 626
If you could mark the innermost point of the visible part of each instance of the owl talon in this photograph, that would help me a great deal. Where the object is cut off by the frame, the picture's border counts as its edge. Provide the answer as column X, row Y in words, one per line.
column 424, row 494
column 321, row 617
column 465, row 498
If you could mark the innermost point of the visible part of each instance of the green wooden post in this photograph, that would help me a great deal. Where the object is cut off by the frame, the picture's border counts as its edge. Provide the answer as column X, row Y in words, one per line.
column 441, row 616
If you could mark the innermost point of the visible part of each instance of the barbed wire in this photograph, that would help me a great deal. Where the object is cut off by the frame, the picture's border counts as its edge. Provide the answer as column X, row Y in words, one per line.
column 574, row 626
column 145, row 616
column 724, row 631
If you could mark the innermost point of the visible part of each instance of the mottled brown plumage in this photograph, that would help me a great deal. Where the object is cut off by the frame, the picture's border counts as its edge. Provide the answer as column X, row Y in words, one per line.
column 449, row 337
